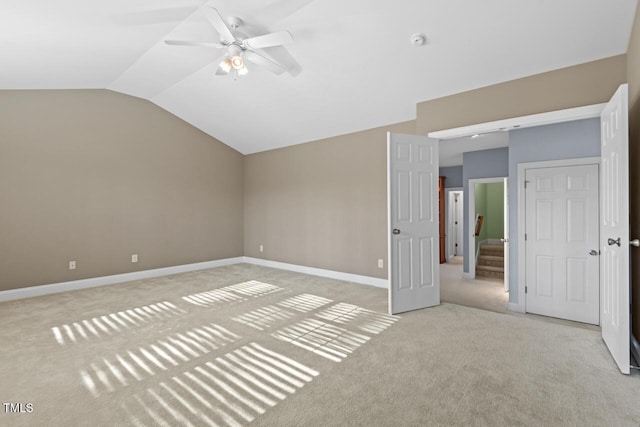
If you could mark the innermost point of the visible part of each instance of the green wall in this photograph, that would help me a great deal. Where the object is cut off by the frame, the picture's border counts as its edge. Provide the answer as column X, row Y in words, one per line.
column 490, row 204
column 495, row 211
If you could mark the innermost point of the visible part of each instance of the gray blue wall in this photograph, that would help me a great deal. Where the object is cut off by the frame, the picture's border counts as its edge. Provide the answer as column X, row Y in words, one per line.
column 551, row 142
column 481, row 164
column 453, row 175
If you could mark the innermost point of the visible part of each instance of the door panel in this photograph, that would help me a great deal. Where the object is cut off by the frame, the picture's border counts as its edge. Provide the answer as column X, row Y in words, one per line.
column 413, row 251
column 562, row 220
column 615, row 225
column 426, row 269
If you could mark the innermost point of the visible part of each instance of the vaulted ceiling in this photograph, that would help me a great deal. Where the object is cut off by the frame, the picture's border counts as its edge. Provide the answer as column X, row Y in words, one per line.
column 351, row 66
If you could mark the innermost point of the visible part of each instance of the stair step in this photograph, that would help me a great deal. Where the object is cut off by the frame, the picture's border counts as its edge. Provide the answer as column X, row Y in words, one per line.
column 490, row 258
column 492, row 262
column 489, row 268
column 493, row 246
column 492, row 274
column 493, row 251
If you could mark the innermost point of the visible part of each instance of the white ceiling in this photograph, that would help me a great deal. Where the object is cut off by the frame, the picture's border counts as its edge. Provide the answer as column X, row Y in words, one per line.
column 450, row 150
column 353, row 66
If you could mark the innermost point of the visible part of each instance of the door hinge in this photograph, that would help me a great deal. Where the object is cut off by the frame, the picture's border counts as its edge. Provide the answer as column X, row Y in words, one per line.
column 525, row 237
column 525, row 289
column 525, row 183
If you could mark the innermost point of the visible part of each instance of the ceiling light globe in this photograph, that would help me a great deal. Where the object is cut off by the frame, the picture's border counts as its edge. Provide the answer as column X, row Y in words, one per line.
column 237, row 62
column 225, row 65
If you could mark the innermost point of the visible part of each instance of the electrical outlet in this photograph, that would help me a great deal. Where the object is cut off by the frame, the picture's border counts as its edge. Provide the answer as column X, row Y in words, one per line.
column 261, row 248
column 134, row 257
column 72, row 265
column 380, row 263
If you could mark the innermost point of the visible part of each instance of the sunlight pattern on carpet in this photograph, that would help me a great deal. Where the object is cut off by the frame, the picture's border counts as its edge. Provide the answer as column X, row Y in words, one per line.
column 264, row 317
column 324, row 339
column 215, row 296
column 114, row 323
column 231, row 294
column 164, row 354
column 231, row 390
column 305, row 303
column 253, row 288
column 366, row 320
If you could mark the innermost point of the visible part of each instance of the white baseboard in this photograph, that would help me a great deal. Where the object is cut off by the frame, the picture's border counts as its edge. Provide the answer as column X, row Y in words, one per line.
column 347, row 277
column 34, row 291
column 468, row 275
column 515, row 307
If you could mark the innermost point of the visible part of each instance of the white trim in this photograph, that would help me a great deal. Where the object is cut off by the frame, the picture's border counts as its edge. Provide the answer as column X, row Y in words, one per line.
column 34, row 291
column 468, row 275
column 390, row 266
column 522, row 169
column 559, row 116
column 471, row 209
column 331, row 274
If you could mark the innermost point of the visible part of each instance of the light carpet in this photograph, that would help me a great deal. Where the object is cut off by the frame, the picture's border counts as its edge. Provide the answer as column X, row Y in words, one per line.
column 244, row 344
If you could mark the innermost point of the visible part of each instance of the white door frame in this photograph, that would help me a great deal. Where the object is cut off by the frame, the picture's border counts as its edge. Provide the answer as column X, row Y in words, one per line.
column 520, row 305
column 507, row 228
column 447, row 213
column 471, row 211
column 558, row 116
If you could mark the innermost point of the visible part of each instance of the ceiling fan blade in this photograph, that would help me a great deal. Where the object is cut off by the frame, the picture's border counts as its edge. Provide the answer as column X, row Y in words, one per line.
column 213, row 16
column 194, row 43
column 269, row 40
column 265, row 62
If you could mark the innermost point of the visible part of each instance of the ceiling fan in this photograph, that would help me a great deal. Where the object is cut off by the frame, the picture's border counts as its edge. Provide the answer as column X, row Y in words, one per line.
column 238, row 47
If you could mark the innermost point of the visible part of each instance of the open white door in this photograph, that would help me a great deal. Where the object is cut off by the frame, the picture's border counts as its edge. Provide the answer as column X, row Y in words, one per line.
column 505, row 240
column 614, row 228
column 414, row 280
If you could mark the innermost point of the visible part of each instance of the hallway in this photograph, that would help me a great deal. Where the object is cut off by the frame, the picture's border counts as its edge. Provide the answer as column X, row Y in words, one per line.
column 486, row 294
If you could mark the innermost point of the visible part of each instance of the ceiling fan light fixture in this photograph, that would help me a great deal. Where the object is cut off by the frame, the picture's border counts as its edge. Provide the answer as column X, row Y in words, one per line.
column 226, row 65
column 237, row 62
column 242, row 71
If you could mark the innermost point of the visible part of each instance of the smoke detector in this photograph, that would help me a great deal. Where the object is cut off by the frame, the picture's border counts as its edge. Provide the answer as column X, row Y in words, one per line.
column 418, row 40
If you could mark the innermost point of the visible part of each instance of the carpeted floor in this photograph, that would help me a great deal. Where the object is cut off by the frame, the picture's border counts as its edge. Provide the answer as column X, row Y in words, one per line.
column 484, row 293
column 246, row 344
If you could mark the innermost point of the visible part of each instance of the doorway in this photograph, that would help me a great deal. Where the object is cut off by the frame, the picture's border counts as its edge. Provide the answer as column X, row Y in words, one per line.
column 457, row 287
column 454, row 214
column 488, row 230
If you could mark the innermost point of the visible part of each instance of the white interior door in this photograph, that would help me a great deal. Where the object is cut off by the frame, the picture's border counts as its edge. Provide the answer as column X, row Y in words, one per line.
column 506, row 234
column 414, row 280
column 615, row 227
column 561, row 244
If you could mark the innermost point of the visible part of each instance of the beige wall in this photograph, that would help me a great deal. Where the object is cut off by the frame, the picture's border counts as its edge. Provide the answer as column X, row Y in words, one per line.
column 321, row 204
column 633, row 75
column 94, row 176
column 585, row 84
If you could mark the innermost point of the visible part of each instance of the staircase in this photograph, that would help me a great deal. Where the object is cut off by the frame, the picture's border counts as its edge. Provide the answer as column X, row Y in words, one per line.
column 491, row 261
